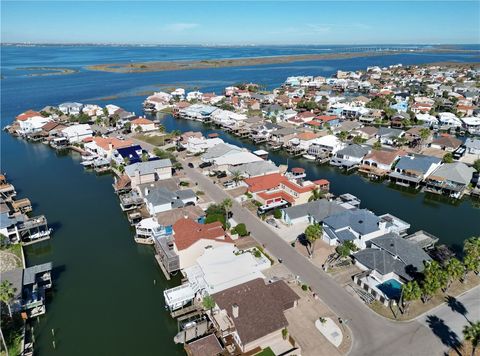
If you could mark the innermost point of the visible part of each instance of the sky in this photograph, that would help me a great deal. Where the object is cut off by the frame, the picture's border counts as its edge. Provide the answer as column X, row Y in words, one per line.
column 241, row 22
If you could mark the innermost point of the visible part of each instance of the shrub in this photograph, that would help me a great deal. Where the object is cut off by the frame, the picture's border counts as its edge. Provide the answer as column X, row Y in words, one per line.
column 200, row 192
column 183, row 183
column 277, row 213
column 257, row 253
column 304, row 287
column 241, row 229
column 250, row 196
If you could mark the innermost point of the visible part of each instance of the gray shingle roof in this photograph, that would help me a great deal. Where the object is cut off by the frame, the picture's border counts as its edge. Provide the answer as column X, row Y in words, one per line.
column 161, row 196
column 472, row 143
column 389, row 132
column 147, row 167
column 219, row 150
column 318, row 209
column 256, row 168
column 362, row 221
column 417, row 163
column 455, row 172
column 353, row 150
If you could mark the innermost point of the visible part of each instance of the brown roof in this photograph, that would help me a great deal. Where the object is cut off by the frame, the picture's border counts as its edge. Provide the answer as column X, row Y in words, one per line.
column 142, row 121
column 168, row 218
column 447, row 141
column 266, row 182
column 384, row 157
column 369, row 130
column 260, row 307
column 187, row 232
column 206, row 346
column 49, row 126
column 105, row 143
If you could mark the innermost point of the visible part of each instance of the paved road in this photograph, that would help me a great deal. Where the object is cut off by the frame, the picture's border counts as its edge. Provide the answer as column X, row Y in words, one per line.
column 372, row 334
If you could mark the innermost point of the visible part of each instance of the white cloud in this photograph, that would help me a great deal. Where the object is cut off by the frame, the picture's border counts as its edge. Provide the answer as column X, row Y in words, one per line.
column 180, row 26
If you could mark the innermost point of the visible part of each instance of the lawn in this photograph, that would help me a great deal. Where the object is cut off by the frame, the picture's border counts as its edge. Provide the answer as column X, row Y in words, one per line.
column 156, row 140
column 266, row 352
column 418, row 307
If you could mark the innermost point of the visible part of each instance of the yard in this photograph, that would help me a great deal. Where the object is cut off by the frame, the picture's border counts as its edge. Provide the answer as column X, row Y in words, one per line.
column 418, row 307
column 156, row 140
column 11, row 258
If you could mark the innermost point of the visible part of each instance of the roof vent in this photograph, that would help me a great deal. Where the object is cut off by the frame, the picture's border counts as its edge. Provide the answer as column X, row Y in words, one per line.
column 360, row 221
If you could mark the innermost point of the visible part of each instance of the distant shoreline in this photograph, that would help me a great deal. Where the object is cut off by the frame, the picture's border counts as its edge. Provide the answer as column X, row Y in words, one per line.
column 48, row 71
column 142, row 67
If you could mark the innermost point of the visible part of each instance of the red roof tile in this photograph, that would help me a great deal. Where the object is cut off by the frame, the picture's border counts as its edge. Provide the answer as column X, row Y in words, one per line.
column 267, row 182
column 187, row 232
column 27, row 115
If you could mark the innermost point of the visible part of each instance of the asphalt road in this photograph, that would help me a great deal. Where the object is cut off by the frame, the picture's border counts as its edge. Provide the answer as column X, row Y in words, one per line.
column 372, row 334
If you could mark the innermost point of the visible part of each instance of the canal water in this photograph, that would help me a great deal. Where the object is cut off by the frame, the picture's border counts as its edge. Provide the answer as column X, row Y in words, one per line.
column 108, row 291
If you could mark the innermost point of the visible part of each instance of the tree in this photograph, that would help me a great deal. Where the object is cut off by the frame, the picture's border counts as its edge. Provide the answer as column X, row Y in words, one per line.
column 358, row 140
column 471, row 250
column 447, row 158
column 377, row 145
column 241, row 230
column 128, row 126
column 161, row 128
column 455, row 270
column 432, row 281
column 472, row 333
column 277, row 214
column 313, row 233
column 424, row 133
column 345, row 249
column 316, row 194
column 236, row 176
column 208, row 303
column 476, row 165
column 7, row 293
column 227, row 206
column 343, row 136
column 145, row 157
column 138, row 129
column 410, row 291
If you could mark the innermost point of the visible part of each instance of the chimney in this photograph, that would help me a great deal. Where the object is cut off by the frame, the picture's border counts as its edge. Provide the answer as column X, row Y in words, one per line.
column 235, row 310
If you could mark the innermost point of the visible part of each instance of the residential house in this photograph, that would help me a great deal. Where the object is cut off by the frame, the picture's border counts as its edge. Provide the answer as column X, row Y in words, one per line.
column 200, row 144
column 312, row 212
column 255, row 169
column 71, row 108
column 366, row 132
column 220, row 150
column 129, row 155
column 451, row 179
column 378, row 163
column 77, row 133
column 255, row 312
column 472, row 146
column 326, row 145
column 147, row 172
column 350, row 156
column 389, row 136
column 411, row 170
column 143, row 125
column 105, row 146
column 446, row 142
column 160, row 199
column 31, row 122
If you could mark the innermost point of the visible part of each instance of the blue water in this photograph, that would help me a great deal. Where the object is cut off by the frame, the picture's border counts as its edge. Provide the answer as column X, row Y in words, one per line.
column 391, row 288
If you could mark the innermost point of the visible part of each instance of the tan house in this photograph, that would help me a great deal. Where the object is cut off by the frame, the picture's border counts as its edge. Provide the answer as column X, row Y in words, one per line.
column 148, row 172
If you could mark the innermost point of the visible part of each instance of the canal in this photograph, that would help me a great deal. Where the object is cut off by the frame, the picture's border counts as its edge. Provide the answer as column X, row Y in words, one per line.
column 108, row 290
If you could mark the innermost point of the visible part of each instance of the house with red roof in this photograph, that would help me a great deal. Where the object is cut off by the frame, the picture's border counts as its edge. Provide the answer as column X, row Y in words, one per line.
column 31, row 122
column 190, row 239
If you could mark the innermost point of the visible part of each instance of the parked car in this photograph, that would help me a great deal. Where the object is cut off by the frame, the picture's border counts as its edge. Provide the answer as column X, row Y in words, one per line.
column 190, row 164
column 221, row 174
column 205, row 164
column 272, row 222
column 229, row 184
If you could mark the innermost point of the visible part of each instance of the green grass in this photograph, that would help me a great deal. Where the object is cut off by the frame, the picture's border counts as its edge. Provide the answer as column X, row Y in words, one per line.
column 266, row 352
column 153, row 140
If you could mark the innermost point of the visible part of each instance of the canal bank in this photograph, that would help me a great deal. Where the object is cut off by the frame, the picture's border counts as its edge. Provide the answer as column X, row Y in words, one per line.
column 108, row 291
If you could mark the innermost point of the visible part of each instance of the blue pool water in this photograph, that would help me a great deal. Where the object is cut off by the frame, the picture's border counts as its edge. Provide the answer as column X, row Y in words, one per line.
column 391, row 288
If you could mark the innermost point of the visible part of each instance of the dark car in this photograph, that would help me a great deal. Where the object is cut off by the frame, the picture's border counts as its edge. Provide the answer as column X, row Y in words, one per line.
column 221, row 174
column 205, row 164
column 190, row 165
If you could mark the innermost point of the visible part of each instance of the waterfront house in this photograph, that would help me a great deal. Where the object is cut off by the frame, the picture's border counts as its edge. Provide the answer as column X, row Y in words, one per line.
column 190, row 239
column 71, row 108
column 128, row 155
column 200, row 144
column 253, row 313
column 389, row 136
column 147, row 172
column 22, row 228
column 30, row 287
column 52, row 129
column 378, row 163
column 255, row 169
column 220, row 150
column 217, row 269
column 105, row 147
column 311, row 212
column 31, row 122
column 325, row 145
column 471, row 124
column 350, row 156
column 360, row 226
column 411, row 170
column 143, row 125
column 448, row 120
column 366, row 132
column 197, row 112
column 161, row 199
column 388, row 262
column 451, row 179
column 231, row 161
column 157, row 101
column 281, row 136
column 77, row 133
column 446, row 142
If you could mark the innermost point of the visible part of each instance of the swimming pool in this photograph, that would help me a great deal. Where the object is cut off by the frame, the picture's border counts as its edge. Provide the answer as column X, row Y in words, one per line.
column 391, row 288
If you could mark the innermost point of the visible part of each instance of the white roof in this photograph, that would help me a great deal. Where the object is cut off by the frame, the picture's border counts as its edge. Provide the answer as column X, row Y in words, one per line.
column 149, row 223
column 237, row 158
column 471, row 120
column 260, row 152
column 80, row 130
column 222, row 269
column 329, row 140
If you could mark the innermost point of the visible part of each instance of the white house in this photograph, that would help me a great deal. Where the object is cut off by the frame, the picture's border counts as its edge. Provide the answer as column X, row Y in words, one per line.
column 326, row 144
column 448, row 119
column 148, row 172
column 198, row 145
column 77, row 133
column 142, row 124
column 31, row 121
column 71, row 108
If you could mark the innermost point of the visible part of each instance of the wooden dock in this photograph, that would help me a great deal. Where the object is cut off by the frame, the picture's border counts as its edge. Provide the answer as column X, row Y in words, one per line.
column 162, row 267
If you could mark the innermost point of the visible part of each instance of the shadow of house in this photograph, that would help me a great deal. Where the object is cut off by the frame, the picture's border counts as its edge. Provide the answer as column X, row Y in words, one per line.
column 448, row 337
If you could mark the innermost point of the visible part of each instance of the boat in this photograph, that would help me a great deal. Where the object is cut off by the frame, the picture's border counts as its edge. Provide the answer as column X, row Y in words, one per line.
column 309, row 157
column 40, row 234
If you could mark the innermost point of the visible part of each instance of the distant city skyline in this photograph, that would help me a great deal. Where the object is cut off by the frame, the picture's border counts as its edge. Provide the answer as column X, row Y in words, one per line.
column 241, row 23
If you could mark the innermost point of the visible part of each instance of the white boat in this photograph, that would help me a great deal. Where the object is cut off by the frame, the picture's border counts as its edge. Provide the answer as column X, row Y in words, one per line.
column 40, row 234
column 87, row 163
column 309, row 157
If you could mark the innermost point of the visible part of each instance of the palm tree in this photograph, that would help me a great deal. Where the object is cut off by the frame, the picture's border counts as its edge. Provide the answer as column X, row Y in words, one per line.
column 7, row 292
column 236, row 177
column 430, row 286
column 472, row 334
column 433, row 280
column 227, row 206
column 410, row 291
column 424, row 134
column 313, row 233
column 471, row 247
column 208, row 303
column 455, row 270
column 316, row 195
column 145, row 157
column 343, row 135
column 471, row 264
